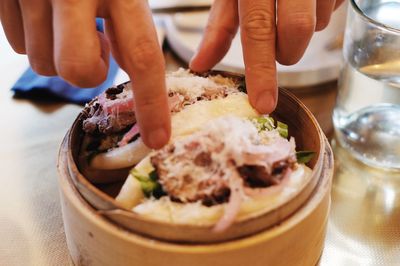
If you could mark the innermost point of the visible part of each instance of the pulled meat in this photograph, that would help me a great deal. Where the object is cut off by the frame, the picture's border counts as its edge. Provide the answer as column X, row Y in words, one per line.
column 113, row 110
column 256, row 176
column 187, row 187
column 200, row 167
column 110, row 112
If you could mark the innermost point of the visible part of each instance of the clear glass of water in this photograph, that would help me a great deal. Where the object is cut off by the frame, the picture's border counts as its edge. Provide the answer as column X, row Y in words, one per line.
column 367, row 112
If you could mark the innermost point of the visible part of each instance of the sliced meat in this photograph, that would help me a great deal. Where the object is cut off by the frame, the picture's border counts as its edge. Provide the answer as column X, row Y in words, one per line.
column 110, row 112
column 188, row 184
column 111, row 93
column 258, row 176
column 199, row 167
column 113, row 110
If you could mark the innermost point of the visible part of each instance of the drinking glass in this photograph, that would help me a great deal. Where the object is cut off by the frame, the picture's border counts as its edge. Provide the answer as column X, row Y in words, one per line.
column 367, row 112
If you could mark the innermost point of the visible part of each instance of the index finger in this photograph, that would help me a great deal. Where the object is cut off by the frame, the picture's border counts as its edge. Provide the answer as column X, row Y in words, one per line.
column 142, row 58
column 258, row 31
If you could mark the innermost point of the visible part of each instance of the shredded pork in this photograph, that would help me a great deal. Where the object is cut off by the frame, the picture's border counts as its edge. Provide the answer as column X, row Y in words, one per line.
column 113, row 111
column 222, row 163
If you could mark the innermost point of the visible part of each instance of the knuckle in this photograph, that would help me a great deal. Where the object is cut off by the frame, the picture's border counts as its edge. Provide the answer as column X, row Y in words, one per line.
column 259, row 24
column 145, row 55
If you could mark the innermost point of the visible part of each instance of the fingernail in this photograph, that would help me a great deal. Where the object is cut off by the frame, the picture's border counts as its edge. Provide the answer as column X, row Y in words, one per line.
column 266, row 102
column 157, row 138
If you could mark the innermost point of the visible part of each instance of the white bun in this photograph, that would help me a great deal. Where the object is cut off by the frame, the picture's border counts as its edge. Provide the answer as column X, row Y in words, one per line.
column 194, row 117
column 188, row 121
column 131, row 192
column 121, row 157
column 197, row 214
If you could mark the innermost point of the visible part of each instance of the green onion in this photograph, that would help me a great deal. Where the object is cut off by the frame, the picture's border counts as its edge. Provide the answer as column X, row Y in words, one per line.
column 268, row 123
column 304, row 156
column 283, row 129
column 158, row 191
column 149, row 184
column 265, row 123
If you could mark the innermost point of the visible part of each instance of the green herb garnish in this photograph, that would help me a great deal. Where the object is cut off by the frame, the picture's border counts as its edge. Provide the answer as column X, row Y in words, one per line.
column 304, row 156
column 283, row 129
column 268, row 123
column 149, row 184
column 265, row 123
column 158, row 191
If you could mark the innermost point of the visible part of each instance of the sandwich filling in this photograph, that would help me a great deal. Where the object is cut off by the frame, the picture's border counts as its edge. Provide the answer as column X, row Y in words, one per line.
column 223, row 163
column 226, row 163
column 110, row 119
column 202, row 166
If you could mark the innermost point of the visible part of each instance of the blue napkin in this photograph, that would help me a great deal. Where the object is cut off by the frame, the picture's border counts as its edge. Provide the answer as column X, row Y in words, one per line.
column 31, row 84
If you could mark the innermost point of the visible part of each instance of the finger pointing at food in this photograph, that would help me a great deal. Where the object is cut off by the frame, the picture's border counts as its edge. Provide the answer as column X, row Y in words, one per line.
column 270, row 31
column 133, row 35
column 258, row 31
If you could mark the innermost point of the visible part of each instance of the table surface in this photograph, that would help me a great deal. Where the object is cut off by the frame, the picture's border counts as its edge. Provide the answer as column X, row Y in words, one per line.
column 31, row 227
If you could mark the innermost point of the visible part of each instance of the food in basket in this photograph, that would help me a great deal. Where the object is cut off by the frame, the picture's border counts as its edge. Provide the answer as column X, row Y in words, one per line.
column 112, row 139
column 224, row 162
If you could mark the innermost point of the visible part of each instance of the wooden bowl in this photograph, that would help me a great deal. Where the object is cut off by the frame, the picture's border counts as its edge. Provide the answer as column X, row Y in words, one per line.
column 94, row 240
column 302, row 125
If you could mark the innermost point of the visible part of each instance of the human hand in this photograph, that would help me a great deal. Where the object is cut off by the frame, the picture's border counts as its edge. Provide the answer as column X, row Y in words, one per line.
column 269, row 33
column 60, row 38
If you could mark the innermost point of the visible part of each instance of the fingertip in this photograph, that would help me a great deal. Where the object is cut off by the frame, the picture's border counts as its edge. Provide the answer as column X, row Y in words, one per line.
column 193, row 63
column 266, row 101
column 196, row 64
column 338, row 3
column 82, row 74
column 154, row 118
column 322, row 23
column 203, row 59
column 156, row 138
column 288, row 60
column 212, row 49
column 19, row 49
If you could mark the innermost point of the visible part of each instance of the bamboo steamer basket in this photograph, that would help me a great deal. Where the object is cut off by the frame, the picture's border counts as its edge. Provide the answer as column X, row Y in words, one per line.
column 94, row 240
column 302, row 125
column 100, row 232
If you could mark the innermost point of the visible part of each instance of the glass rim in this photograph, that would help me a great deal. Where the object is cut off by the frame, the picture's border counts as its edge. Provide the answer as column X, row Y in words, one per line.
column 372, row 21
